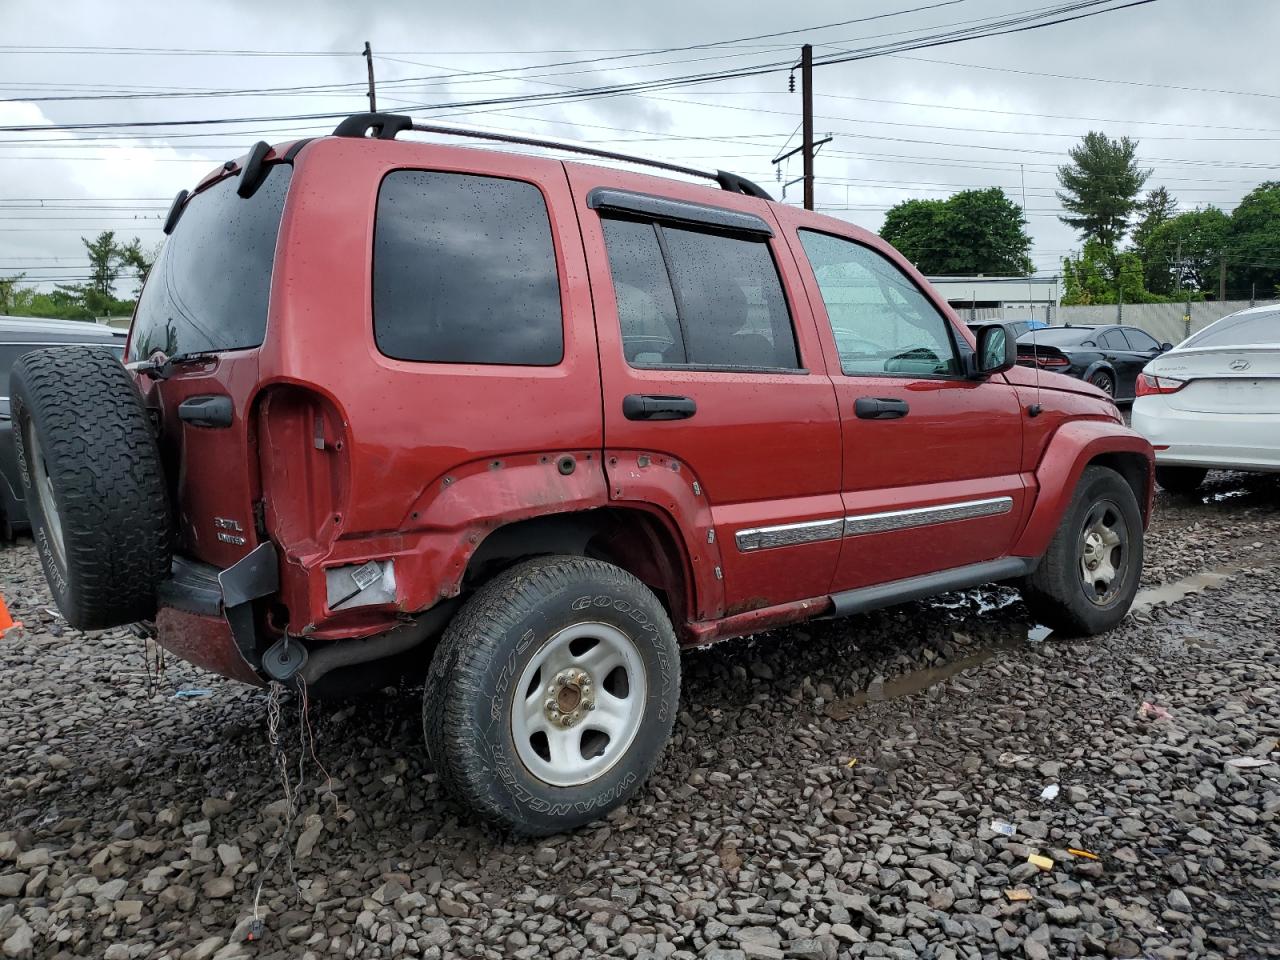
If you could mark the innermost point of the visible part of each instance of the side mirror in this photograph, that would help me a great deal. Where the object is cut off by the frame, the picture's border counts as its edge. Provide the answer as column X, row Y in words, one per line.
column 1166, row 347
column 997, row 349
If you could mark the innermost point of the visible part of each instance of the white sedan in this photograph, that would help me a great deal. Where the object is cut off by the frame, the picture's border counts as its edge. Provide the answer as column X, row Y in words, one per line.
column 1213, row 402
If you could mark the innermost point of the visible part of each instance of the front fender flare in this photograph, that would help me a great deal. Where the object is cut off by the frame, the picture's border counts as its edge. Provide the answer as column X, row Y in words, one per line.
column 1073, row 447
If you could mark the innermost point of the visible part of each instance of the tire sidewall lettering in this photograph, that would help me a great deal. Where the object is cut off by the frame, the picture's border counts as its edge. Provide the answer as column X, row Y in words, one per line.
column 493, row 734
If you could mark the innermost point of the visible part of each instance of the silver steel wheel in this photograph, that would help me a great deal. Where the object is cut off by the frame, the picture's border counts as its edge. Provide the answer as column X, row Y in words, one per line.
column 43, row 487
column 578, row 704
column 1104, row 552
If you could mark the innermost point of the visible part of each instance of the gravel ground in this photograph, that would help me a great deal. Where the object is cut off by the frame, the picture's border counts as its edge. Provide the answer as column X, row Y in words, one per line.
column 831, row 791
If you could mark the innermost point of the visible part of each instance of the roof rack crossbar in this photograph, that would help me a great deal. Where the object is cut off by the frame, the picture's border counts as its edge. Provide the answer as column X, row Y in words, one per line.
column 386, row 126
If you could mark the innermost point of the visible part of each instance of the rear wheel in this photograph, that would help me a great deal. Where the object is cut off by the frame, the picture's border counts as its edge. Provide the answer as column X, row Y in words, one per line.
column 1104, row 382
column 1087, row 579
column 552, row 694
column 94, row 487
column 1180, row 479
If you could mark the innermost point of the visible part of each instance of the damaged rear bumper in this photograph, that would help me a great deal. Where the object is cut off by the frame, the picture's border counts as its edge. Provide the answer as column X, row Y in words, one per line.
column 206, row 615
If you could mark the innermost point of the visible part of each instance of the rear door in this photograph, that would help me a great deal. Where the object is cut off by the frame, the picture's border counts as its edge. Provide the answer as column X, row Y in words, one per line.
column 716, row 406
column 1126, row 361
column 931, row 460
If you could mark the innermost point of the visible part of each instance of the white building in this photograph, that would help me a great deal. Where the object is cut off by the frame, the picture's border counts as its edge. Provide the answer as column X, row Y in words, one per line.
column 978, row 298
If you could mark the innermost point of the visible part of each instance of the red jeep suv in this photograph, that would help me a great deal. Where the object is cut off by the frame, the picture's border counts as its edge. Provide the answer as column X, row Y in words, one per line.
column 532, row 425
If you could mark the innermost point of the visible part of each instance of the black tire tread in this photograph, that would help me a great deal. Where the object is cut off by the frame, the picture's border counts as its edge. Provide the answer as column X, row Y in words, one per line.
column 466, row 654
column 105, row 468
column 1047, row 589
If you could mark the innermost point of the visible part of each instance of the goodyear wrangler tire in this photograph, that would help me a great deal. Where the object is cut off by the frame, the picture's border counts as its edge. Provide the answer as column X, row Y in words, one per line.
column 94, row 486
column 1087, row 579
column 552, row 694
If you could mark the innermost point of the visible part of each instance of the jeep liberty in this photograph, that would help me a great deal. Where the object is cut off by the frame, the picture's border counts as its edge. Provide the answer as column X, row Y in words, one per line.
column 530, row 425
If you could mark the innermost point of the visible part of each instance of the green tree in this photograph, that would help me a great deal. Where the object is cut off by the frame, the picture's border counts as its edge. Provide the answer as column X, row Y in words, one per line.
column 971, row 232
column 1101, row 275
column 104, row 263
column 134, row 258
column 1183, row 253
column 1253, row 243
column 1156, row 208
column 1100, row 187
column 8, row 293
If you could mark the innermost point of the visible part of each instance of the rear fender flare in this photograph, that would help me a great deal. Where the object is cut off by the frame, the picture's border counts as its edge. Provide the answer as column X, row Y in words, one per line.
column 1101, row 365
column 1074, row 446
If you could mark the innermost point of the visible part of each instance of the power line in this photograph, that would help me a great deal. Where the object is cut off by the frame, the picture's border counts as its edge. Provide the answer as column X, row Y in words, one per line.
column 1016, row 24
column 1068, row 76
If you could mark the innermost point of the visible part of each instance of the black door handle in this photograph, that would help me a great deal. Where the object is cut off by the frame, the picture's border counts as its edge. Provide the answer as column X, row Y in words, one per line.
column 208, row 411
column 879, row 408
column 637, row 406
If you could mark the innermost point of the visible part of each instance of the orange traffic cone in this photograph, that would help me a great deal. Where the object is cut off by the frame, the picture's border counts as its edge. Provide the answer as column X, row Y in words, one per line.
column 7, row 622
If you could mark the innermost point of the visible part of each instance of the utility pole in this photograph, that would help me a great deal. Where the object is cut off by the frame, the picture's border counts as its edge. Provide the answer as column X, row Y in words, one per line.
column 806, row 97
column 373, row 97
column 1222, row 278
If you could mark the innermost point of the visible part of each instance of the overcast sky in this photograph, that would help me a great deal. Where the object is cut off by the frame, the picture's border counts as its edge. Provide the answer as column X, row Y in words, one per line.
column 904, row 126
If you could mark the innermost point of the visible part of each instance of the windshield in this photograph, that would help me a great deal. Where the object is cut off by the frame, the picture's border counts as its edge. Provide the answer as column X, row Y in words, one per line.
column 1243, row 329
column 208, row 290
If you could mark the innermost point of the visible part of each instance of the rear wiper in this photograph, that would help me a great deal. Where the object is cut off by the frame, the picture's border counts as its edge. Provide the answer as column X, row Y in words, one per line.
column 163, row 369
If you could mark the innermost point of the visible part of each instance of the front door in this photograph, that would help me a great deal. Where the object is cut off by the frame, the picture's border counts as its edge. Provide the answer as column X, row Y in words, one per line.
column 716, row 403
column 931, row 459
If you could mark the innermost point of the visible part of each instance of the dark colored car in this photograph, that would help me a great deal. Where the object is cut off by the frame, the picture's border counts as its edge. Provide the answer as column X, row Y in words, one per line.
column 1109, row 356
column 18, row 335
column 529, row 425
column 1019, row 327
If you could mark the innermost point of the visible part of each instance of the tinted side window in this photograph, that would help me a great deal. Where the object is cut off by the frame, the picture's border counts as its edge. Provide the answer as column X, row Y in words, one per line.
column 464, row 271
column 1140, row 340
column 731, row 301
column 646, row 307
column 1113, row 340
column 692, row 298
column 882, row 323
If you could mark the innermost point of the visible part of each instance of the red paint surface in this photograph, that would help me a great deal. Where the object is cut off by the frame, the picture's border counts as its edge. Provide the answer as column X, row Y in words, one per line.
column 418, row 462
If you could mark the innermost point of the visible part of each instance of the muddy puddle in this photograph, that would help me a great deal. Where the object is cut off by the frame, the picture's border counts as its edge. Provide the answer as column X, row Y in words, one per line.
column 1180, row 589
column 918, row 681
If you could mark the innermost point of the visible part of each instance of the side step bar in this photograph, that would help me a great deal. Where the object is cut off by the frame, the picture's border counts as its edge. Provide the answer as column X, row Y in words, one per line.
column 917, row 588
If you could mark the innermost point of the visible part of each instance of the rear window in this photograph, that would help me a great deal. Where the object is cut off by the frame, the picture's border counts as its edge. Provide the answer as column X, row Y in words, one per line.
column 208, row 290
column 1245, row 330
column 1059, row 336
column 464, row 271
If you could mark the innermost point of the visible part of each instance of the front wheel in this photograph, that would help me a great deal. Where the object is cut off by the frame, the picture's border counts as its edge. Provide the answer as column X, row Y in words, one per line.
column 552, row 694
column 1087, row 579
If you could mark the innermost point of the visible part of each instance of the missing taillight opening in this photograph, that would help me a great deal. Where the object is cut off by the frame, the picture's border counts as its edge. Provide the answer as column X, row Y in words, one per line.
column 1150, row 385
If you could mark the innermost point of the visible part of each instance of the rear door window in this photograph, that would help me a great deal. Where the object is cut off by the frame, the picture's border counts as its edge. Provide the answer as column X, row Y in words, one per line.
column 208, row 290
column 883, row 325
column 698, row 299
column 1139, row 340
column 464, row 271
column 1113, row 340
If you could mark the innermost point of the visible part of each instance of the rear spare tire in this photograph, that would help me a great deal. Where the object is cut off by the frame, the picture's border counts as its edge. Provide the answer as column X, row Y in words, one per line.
column 94, row 486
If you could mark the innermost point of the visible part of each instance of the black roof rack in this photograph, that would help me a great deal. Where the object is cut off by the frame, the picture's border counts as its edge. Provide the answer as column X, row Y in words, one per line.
column 385, row 126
